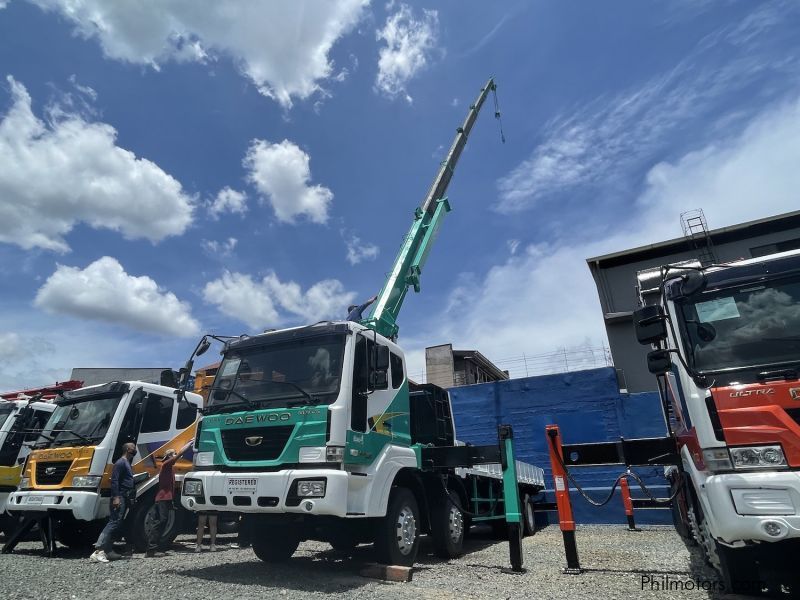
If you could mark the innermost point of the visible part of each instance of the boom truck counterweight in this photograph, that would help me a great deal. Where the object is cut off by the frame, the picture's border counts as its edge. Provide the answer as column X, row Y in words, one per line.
column 316, row 432
column 726, row 342
column 65, row 486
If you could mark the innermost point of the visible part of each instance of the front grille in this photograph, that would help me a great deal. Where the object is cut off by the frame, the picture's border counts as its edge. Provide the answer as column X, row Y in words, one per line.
column 244, row 445
column 52, row 473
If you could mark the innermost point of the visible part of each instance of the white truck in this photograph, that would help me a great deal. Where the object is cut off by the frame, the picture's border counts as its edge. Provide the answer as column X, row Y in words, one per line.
column 67, row 477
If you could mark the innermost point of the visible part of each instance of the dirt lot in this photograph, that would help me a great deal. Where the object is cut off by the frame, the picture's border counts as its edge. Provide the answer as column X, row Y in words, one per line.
column 619, row 564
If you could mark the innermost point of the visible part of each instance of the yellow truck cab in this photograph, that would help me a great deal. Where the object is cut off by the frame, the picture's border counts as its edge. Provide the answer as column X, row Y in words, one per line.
column 20, row 421
column 67, row 477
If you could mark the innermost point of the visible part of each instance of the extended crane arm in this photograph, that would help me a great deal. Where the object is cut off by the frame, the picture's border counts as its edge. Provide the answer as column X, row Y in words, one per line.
column 417, row 243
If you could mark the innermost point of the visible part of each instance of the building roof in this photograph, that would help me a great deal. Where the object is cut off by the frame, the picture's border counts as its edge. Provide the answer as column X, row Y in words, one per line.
column 482, row 361
column 749, row 229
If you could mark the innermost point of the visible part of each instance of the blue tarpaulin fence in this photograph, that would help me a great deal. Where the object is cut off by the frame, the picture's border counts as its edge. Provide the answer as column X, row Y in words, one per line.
column 588, row 407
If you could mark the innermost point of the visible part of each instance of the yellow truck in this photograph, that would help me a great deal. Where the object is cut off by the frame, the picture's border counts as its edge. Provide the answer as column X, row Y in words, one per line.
column 66, row 484
column 20, row 421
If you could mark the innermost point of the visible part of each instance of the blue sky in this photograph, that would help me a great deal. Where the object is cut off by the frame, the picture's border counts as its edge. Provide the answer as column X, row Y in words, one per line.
column 177, row 167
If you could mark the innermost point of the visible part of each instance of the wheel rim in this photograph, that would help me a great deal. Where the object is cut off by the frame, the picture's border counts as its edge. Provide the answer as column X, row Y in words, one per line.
column 406, row 530
column 455, row 524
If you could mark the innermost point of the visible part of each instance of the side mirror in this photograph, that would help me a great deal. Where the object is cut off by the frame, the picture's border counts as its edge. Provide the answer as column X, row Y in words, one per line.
column 169, row 378
column 650, row 324
column 202, row 347
column 379, row 380
column 659, row 362
column 381, row 358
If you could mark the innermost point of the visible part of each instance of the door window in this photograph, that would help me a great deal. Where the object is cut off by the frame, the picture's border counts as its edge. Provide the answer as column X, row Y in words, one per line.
column 157, row 414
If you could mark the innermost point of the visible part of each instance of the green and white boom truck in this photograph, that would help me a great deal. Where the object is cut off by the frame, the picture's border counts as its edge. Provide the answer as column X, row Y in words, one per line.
column 315, row 433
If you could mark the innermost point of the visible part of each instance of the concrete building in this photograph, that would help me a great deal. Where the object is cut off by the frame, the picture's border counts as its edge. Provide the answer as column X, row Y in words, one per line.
column 98, row 375
column 615, row 277
column 448, row 368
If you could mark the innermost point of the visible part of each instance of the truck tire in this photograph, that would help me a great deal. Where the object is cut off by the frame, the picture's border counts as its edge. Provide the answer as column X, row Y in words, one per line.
column 79, row 535
column 397, row 534
column 528, row 515
column 739, row 569
column 141, row 521
column 447, row 528
column 275, row 544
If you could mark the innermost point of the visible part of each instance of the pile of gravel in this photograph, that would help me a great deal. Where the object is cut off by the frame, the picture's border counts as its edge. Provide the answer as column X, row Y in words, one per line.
column 619, row 564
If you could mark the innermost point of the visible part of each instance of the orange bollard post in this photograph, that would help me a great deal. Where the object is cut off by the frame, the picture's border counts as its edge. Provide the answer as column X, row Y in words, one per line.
column 561, row 486
column 627, row 503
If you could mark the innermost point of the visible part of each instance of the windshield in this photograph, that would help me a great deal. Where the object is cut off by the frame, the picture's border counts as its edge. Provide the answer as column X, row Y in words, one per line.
column 5, row 412
column 80, row 423
column 753, row 325
column 298, row 371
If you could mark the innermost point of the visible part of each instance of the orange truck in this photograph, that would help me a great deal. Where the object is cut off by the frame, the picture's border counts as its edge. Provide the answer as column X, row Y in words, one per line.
column 67, row 476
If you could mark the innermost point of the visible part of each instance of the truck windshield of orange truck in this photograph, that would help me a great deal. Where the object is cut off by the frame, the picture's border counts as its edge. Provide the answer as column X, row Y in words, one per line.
column 755, row 324
column 81, row 422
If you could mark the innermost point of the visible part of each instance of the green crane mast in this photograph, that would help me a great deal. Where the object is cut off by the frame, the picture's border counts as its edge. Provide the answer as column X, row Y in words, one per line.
column 407, row 267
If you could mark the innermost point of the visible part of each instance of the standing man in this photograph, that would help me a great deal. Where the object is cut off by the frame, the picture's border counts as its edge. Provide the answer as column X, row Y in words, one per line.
column 355, row 311
column 166, row 491
column 121, row 492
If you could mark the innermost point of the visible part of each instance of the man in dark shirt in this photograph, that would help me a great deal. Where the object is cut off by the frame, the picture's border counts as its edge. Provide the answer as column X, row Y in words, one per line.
column 166, row 491
column 355, row 311
column 121, row 494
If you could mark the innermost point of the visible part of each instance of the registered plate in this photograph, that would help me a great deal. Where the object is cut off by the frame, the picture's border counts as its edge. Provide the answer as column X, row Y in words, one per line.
column 34, row 500
column 242, row 485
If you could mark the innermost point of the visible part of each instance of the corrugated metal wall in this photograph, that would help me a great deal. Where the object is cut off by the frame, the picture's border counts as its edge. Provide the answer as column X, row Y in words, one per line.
column 588, row 407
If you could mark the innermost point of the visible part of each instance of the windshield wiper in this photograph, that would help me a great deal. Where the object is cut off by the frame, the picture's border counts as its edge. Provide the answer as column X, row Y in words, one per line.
column 88, row 440
column 777, row 374
column 784, row 338
column 308, row 398
column 245, row 400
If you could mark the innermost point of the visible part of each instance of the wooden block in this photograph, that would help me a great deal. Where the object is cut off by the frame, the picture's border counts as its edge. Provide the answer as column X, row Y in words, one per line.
column 387, row 572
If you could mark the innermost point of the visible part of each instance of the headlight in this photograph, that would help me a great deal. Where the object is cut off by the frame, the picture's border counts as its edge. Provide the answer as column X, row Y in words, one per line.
column 86, row 481
column 334, row 454
column 203, row 459
column 25, row 483
column 757, row 457
column 192, row 487
column 311, row 489
column 717, row 459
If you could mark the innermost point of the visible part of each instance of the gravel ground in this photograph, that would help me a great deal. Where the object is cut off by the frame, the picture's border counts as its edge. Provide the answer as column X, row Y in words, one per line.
column 616, row 561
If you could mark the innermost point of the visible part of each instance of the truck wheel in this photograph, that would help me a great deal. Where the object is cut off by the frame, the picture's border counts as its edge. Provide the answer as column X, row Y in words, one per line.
column 528, row 515
column 275, row 545
column 142, row 520
column 79, row 535
column 739, row 569
column 397, row 535
column 447, row 528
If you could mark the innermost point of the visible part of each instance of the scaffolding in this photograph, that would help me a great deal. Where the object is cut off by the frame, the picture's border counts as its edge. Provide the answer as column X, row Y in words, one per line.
column 695, row 230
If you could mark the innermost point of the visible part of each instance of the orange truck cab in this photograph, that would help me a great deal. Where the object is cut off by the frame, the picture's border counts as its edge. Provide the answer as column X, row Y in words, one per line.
column 68, row 473
column 726, row 351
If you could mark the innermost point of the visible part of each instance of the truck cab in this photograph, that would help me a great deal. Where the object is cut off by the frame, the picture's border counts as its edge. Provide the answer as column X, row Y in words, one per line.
column 68, row 473
column 726, row 344
column 20, row 422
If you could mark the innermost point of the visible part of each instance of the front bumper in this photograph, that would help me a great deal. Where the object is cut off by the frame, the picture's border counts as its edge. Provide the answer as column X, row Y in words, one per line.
column 268, row 492
column 761, row 506
column 84, row 505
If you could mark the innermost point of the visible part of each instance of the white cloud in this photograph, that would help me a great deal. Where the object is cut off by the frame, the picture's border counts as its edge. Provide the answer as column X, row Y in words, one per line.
column 543, row 296
column 409, row 42
column 358, row 251
column 282, row 174
column 57, row 174
column 228, row 200
column 282, row 47
column 607, row 143
column 103, row 291
column 217, row 249
column 272, row 303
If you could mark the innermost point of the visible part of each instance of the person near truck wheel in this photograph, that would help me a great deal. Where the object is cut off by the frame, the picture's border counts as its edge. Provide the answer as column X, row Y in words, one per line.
column 164, row 496
column 122, row 490
column 202, row 517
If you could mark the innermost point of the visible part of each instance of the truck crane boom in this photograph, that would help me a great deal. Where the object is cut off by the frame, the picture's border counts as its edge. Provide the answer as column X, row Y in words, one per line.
column 408, row 264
